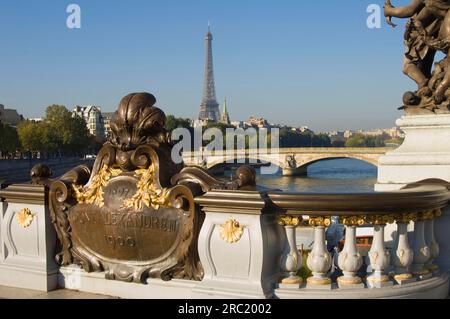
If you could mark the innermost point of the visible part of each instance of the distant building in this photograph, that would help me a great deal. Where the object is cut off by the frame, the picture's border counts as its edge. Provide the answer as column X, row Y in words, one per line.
column 394, row 133
column 35, row 119
column 225, row 117
column 107, row 123
column 337, row 137
column 301, row 129
column 93, row 117
column 257, row 122
column 200, row 122
column 10, row 116
column 239, row 124
column 349, row 133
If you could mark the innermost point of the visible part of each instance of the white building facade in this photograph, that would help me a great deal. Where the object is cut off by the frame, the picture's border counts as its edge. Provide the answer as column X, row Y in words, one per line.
column 93, row 117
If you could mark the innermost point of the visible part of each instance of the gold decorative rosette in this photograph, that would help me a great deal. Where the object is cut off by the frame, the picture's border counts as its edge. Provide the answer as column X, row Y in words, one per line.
column 231, row 231
column 25, row 218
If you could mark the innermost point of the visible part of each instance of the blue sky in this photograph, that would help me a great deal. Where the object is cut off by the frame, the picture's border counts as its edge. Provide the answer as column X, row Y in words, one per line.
column 292, row 61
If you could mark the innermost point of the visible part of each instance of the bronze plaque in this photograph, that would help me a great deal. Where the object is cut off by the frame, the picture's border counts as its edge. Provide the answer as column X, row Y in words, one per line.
column 125, row 216
column 115, row 233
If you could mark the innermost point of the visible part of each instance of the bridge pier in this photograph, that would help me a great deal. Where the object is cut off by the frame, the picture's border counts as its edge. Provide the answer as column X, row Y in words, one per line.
column 299, row 171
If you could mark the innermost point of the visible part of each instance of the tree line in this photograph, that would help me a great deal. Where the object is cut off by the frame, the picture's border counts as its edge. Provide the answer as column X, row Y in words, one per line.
column 360, row 140
column 59, row 134
column 292, row 138
column 288, row 137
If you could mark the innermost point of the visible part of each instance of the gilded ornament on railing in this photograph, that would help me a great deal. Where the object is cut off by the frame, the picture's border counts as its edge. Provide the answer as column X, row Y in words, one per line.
column 25, row 218
column 320, row 221
column 93, row 194
column 406, row 218
column 231, row 231
column 357, row 220
column 148, row 193
column 289, row 220
column 381, row 219
column 429, row 215
column 437, row 213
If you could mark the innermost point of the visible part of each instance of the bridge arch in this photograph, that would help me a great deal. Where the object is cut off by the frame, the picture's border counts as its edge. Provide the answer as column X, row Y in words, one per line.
column 293, row 161
column 306, row 161
column 234, row 159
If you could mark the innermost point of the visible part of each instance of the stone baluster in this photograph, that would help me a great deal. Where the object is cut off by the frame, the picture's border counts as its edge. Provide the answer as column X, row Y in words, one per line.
column 319, row 259
column 350, row 260
column 421, row 249
column 378, row 255
column 291, row 260
column 431, row 241
column 403, row 254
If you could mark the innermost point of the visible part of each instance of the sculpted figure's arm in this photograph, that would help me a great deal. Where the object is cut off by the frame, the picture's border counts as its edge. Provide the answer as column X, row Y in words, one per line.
column 403, row 12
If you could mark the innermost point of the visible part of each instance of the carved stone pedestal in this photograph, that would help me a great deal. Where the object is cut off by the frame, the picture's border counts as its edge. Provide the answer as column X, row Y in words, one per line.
column 238, row 246
column 424, row 155
column 27, row 239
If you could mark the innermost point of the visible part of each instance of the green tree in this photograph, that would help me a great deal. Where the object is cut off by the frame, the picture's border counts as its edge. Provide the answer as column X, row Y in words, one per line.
column 360, row 140
column 9, row 140
column 357, row 140
column 32, row 137
column 79, row 135
column 59, row 133
column 173, row 122
column 290, row 138
column 67, row 134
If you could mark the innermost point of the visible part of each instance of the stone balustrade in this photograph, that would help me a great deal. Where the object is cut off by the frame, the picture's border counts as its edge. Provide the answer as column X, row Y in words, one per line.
column 408, row 263
column 247, row 247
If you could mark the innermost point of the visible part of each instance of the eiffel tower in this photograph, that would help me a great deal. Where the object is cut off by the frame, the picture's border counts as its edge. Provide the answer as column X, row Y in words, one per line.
column 209, row 108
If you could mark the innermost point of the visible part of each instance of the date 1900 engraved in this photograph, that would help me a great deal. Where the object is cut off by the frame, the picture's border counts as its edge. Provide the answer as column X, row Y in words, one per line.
column 115, row 241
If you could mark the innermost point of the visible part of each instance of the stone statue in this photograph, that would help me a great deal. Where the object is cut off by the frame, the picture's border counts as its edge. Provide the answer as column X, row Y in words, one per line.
column 427, row 32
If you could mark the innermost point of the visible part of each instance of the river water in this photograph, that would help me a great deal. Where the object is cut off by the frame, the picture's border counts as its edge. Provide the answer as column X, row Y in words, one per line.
column 329, row 176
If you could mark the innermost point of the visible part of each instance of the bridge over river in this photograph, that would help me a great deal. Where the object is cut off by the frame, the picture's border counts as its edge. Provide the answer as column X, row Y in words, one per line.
column 292, row 161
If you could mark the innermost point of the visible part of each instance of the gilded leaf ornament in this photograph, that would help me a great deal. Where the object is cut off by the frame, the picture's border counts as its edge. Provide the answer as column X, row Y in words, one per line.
column 93, row 194
column 148, row 193
column 287, row 220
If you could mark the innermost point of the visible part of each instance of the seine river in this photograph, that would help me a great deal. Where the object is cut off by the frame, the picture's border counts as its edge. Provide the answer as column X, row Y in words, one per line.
column 337, row 175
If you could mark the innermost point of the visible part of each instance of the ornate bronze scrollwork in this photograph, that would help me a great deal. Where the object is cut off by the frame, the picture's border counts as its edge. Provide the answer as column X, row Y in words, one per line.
column 133, row 215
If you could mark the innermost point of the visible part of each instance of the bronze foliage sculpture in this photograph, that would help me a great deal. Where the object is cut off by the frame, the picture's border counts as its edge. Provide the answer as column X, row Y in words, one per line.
column 427, row 33
column 133, row 214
